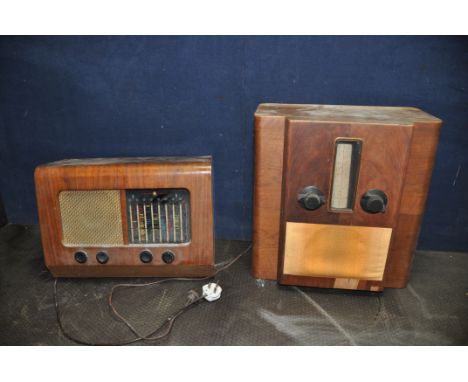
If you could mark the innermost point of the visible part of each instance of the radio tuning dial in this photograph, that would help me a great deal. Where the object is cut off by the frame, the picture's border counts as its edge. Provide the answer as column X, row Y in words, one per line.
column 311, row 198
column 374, row 201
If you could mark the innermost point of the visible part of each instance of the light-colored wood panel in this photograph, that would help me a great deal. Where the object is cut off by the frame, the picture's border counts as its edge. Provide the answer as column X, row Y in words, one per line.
column 346, row 283
column 324, row 250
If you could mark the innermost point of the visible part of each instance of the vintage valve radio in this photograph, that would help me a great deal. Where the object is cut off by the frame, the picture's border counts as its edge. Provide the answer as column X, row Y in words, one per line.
column 126, row 217
column 339, row 193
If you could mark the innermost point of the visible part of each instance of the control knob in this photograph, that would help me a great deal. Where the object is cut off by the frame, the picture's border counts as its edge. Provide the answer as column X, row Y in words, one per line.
column 374, row 201
column 311, row 198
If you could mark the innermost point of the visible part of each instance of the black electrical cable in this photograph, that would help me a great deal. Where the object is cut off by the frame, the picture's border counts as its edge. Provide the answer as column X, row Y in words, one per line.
column 169, row 322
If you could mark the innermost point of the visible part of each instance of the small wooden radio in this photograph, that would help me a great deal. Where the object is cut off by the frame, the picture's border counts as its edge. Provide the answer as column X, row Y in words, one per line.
column 127, row 217
column 339, row 193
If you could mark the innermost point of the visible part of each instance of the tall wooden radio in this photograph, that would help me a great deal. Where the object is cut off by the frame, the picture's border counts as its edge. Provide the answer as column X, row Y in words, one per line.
column 127, row 217
column 339, row 193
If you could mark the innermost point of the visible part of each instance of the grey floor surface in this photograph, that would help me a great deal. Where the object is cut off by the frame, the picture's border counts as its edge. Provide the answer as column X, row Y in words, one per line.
column 432, row 310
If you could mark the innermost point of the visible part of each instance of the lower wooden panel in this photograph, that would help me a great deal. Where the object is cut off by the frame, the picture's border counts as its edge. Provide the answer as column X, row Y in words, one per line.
column 342, row 252
column 130, row 271
column 414, row 194
column 329, row 282
column 401, row 254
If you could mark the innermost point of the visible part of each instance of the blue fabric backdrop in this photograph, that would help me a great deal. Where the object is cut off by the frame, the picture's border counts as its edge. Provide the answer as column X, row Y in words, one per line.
column 72, row 97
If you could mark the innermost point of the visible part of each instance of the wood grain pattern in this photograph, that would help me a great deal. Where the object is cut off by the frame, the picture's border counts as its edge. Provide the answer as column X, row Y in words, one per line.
column 332, row 250
column 414, row 194
column 332, row 282
column 418, row 132
column 123, row 210
column 382, row 115
column 308, row 160
column 309, row 151
column 192, row 259
column 269, row 142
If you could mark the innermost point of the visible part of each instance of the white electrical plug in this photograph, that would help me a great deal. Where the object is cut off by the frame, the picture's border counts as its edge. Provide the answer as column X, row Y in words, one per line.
column 212, row 291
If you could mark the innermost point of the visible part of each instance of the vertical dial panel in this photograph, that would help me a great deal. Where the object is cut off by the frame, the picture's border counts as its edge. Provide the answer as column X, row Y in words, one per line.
column 345, row 172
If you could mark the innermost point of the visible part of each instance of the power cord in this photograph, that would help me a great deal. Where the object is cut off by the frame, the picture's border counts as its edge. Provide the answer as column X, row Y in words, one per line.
column 210, row 292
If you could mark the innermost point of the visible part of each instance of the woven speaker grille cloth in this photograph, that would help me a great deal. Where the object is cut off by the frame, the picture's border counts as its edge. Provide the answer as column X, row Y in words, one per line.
column 91, row 218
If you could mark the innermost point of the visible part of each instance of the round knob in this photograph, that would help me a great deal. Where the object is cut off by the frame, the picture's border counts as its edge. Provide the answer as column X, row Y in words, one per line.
column 374, row 201
column 81, row 257
column 146, row 257
column 168, row 257
column 311, row 198
column 102, row 257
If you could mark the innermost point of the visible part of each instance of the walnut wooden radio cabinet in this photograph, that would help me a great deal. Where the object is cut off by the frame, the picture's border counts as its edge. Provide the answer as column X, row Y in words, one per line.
column 110, row 217
column 339, row 193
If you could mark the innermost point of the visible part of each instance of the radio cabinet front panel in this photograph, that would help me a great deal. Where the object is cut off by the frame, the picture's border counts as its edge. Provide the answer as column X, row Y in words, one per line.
column 127, row 217
column 340, row 240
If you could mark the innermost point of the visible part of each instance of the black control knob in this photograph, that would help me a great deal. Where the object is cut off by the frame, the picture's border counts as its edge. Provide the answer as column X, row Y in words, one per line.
column 146, row 257
column 102, row 257
column 168, row 257
column 311, row 198
column 374, row 201
column 81, row 257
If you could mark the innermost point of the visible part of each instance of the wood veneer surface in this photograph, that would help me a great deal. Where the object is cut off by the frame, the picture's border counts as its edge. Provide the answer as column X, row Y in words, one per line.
column 193, row 174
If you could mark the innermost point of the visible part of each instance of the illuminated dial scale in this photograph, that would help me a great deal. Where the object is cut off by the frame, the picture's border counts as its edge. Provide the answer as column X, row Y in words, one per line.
column 160, row 216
